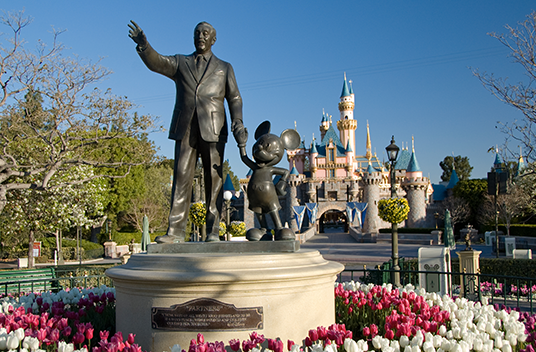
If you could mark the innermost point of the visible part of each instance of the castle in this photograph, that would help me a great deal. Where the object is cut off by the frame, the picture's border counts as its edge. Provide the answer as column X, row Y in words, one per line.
column 331, row 174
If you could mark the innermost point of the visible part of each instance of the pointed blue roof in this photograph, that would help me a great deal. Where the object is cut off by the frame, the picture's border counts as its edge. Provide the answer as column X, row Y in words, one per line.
column 497, row 162
column 346, row 92
column 348, row 147
column 302, row 145
column 453, row 179
column 413, row 165
column 250, row 172
column 294, row 171
column 228, row 184
column 331, row 135
column 324, row 118
column 370, row 169
column 313, row 148
column 403, row 160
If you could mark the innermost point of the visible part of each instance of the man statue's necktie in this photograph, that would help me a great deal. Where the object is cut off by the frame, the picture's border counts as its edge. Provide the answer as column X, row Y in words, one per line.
column 200, row 66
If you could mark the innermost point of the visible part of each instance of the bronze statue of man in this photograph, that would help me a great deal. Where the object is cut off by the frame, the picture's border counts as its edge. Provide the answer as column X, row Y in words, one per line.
column 198, row 125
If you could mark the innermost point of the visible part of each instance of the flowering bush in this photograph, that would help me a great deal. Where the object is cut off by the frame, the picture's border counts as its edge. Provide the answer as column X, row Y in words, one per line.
column 223, row 228
column 237, row 228
column 198, row 213
column 393, row 210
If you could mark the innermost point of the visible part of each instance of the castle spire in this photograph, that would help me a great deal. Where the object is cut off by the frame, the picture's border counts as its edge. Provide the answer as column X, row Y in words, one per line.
column 368, row 154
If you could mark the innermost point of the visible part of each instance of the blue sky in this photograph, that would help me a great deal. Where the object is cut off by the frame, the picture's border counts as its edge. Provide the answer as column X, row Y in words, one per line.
column 410, row 63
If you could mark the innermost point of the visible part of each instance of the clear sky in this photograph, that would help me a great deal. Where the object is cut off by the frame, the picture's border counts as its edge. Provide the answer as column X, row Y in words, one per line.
column 410, row 63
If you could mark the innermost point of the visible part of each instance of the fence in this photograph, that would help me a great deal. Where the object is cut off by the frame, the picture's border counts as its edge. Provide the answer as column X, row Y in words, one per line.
column 510, row 291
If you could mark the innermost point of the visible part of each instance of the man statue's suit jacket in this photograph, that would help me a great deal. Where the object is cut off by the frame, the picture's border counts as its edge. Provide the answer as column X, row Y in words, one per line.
column 204, row 96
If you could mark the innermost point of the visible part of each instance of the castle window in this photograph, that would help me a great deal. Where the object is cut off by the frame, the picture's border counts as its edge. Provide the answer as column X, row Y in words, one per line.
column 331, row 173
column 331, row 155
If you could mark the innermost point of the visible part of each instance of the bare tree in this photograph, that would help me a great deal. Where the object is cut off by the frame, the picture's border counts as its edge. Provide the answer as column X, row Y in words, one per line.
column 522, row 43
column 509, row 206
column 458, row 208
column 52, row 116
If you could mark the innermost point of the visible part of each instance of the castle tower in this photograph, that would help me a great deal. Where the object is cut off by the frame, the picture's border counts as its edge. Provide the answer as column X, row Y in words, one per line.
column 371, row 181
column 415, row 186
column 324, row 125
column 347, row 125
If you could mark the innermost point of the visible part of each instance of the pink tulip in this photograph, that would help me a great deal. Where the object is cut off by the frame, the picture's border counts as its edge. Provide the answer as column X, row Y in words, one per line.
column 234, row 344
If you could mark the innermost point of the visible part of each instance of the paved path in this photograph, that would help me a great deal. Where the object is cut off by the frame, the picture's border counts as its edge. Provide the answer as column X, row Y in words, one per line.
column 341, row 247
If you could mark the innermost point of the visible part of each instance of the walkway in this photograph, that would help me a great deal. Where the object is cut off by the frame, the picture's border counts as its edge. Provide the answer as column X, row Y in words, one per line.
column 341, row 247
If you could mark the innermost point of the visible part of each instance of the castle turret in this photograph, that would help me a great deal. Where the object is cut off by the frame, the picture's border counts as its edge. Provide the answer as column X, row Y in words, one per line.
column 349, row 160
column 415, row 186
column 371, row 181
column 313, row 154
column 346, row 124
column 324, row 124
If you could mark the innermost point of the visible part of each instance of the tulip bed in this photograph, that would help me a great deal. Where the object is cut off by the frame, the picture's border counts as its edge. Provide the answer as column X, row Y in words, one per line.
column 369, row 318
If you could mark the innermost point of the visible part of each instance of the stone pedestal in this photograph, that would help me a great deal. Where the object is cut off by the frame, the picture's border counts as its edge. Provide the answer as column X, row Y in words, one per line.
column 167, row 298
column 469, row 264
column 110, row 250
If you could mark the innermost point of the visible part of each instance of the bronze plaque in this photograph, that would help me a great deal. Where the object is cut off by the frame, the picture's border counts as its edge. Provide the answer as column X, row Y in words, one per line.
column 206, row 314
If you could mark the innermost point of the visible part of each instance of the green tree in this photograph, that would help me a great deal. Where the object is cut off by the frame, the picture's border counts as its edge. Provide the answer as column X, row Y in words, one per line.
column 53, row 119
column 474, row 193
column 461, row 164
column 155, row 201
column 36, row 213
column 521, row 41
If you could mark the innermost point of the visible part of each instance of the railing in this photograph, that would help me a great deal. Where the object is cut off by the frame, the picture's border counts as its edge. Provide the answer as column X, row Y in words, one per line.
column 510, row 291
column 54, row 284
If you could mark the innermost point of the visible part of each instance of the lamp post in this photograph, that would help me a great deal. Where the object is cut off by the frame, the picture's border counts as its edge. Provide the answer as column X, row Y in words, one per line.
column 392, row 152
column 227, row 196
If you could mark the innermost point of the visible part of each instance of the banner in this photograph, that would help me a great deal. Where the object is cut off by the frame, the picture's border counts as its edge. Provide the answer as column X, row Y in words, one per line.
column 312, row 211
column 356, row 212
column 299, row 213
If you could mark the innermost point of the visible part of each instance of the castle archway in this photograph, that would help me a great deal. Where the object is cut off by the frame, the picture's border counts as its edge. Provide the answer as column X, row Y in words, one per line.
column 333, row 216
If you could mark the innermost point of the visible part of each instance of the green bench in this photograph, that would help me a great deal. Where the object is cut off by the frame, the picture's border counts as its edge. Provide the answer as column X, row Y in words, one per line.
column 28, row 280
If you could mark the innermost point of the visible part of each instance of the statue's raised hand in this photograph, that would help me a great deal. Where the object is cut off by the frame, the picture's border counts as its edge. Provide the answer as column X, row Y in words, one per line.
column 137, row 35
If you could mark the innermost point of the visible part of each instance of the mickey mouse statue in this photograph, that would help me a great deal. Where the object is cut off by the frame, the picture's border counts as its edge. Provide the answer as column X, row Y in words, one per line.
column 263, row 198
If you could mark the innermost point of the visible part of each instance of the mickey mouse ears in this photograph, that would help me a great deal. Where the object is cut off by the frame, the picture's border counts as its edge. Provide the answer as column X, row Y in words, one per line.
column 290, row 139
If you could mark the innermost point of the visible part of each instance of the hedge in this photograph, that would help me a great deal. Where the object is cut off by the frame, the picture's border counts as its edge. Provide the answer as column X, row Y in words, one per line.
column 528, row 230
column 427, row 230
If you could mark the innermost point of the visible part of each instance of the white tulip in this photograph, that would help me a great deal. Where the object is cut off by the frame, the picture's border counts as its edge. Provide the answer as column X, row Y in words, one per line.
column 395, row 345
column 404, row 341
column 255, row 349
column 498, row 341
column 385, row 344
column 3, row 342
column 377, row 342
column 349, row 346
column 428, row 346
column 363, row 345
column 12, row 342
column 478, row 344
column 506, row 347
column 442, row 330
column 23, row 350
column 317, row 348
column 437, row 340
column 407, row 348
column 415, row 348
column 445, row 345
